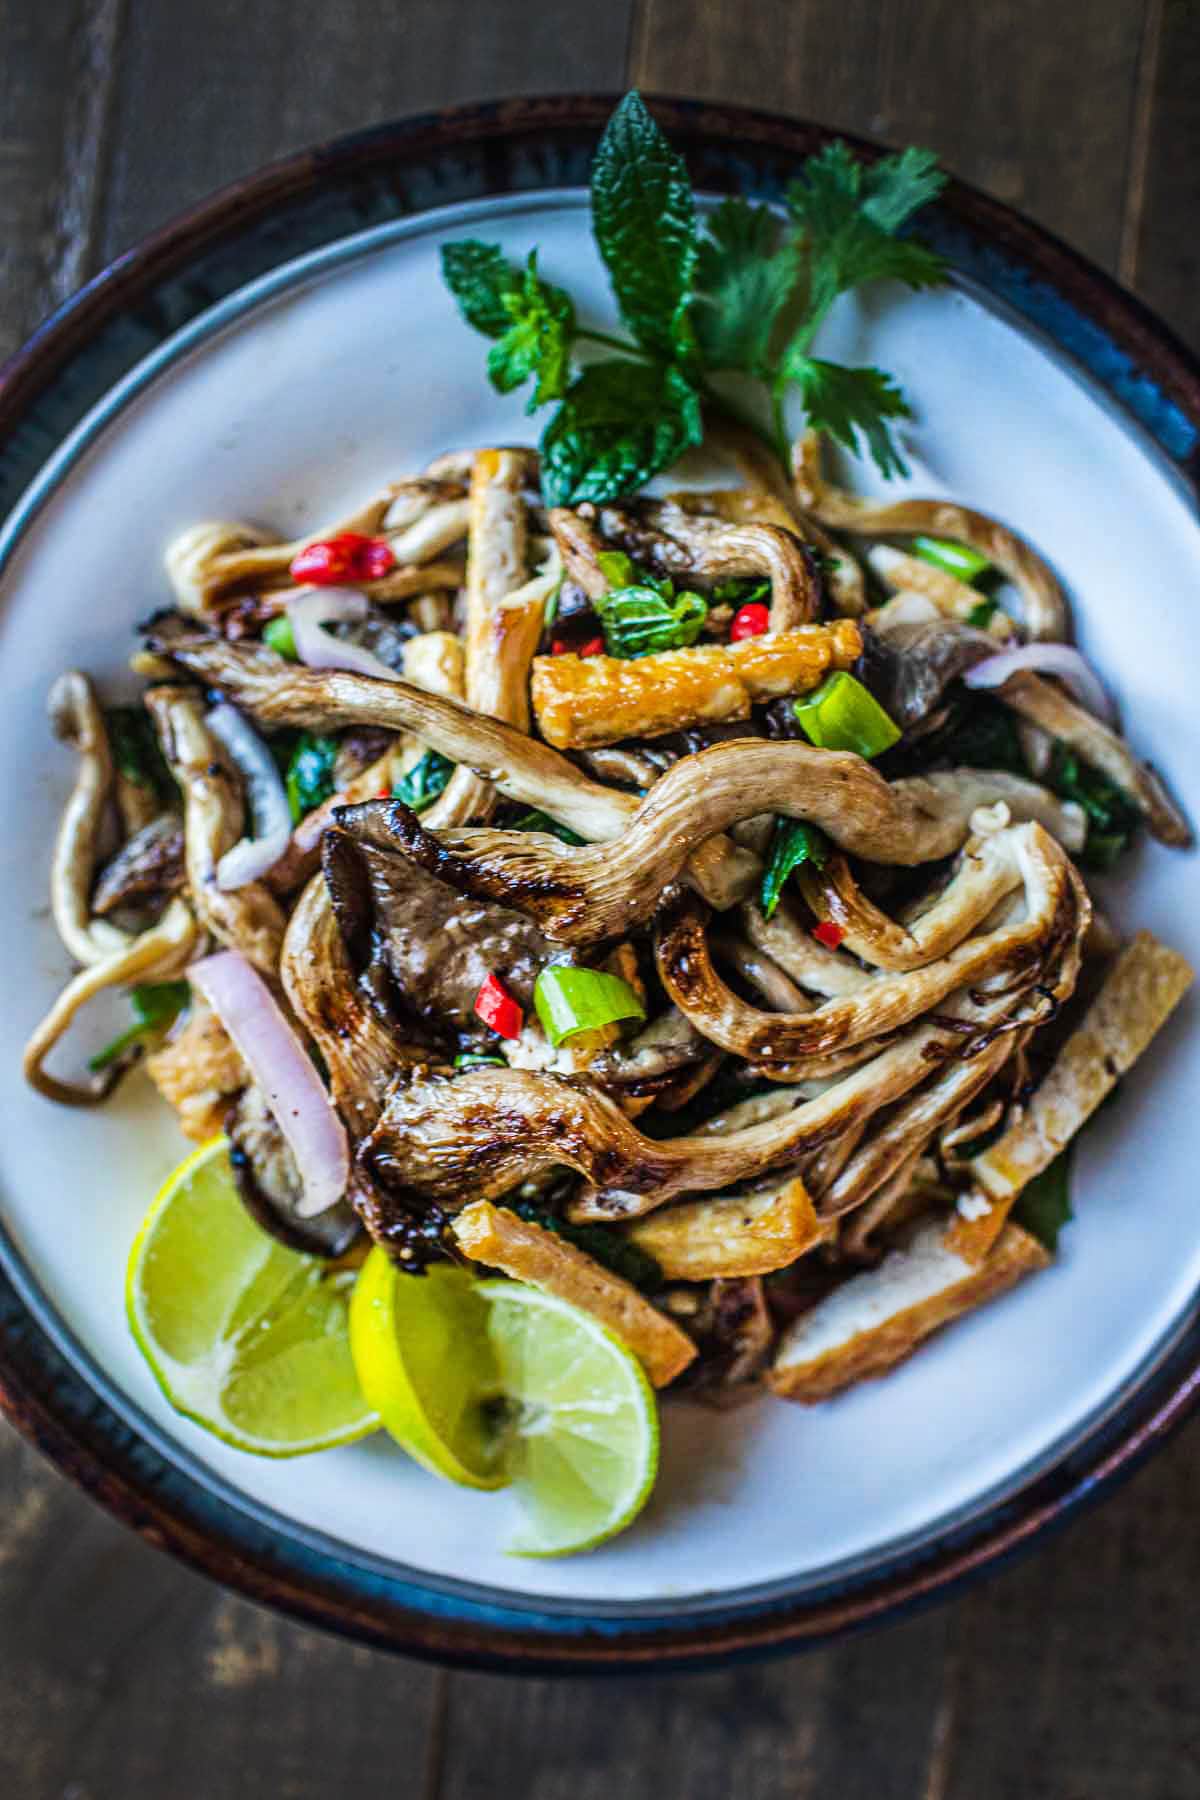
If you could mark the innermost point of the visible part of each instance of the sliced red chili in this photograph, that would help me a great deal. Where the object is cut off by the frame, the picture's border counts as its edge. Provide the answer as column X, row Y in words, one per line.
column 497, row 1008
column 346, row 556
column 829, row 934
column 750, row 621
column 593, row 647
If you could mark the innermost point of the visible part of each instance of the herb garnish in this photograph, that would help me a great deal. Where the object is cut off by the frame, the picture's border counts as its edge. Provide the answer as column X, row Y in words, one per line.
column 156, row 1006
column 743, row 292
column 309, row 778
column 422, row 784
column 1044, row 1205
column 792, row 845
column 136, row 751
column 602, row 1244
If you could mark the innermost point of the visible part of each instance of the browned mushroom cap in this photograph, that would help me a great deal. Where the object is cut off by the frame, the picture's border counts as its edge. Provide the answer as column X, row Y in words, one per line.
column 1046, row 705
column 149, row 866
column 581, row 896
column 445, row 1140
column 1046, row 613
column 248, row 918
column 1024, row 950
column 278, row 693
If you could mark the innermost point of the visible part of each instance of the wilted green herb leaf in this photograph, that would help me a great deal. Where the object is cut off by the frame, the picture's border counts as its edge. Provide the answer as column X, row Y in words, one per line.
column 794, row 843
column 156, row 1005
column 309, row 779
column 1044, row 1206
column 601, row 1243
column 638, row 621
column 540, row 821
column 136, row 750
column 420, row 787
column 1112, row 816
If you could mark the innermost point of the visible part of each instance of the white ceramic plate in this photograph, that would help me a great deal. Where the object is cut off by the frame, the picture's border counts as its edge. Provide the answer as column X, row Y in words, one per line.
column 339, row 375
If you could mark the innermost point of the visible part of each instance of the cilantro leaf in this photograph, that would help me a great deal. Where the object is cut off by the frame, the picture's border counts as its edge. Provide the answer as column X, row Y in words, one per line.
column 794, row 843
column 898, row 186
column 422, row 784
column 638, row 621
column 850, row 217
column 619, row 424
column 644, row 222
column 844, row 402
column 481, row 280
column 743, row 283
column 1044, row 1206
column 538, row 340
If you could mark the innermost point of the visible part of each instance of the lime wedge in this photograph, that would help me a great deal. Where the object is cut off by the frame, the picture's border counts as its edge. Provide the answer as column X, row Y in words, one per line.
column 245, row 1337
column 423, row 1358
column 582, row 1442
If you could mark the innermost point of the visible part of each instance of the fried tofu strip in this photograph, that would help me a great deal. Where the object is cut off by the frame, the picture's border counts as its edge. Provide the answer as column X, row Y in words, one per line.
column 583, row 702
column 493, row 1235
column 199, row 1072
column 877, row 1319
column 495, row 667
column 1144, row 986
column 731, row 1235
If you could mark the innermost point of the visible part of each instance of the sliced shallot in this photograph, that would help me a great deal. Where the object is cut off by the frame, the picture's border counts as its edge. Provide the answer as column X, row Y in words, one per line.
column 311, row 610
column 252, row 857
column 279, row 1063
column 1048, row 659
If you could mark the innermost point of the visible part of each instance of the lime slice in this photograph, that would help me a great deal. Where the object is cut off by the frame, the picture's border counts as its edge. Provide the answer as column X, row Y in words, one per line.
column 582, row 1446
column 246, row 1337
column 423, row 1358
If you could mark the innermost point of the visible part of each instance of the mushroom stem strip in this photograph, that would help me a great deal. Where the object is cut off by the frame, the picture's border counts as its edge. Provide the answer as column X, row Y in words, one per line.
column 77, row 719
column 582, row 896
column 1047, row 616
column 1057, row 915
column 278, row 693
column 161, row 951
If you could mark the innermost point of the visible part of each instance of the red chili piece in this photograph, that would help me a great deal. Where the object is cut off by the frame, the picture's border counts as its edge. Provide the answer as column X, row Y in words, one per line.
column 497, row 1008
column 593, row 647
column 829, row 934
column 750, row 620
column 344, row 557
column 384, row 794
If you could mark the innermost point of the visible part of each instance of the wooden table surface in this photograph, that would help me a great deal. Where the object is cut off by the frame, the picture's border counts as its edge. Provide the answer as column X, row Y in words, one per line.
column 1070, row 1676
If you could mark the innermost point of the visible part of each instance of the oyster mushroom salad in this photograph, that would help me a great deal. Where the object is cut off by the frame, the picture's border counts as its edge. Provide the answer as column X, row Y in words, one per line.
column 614, row 917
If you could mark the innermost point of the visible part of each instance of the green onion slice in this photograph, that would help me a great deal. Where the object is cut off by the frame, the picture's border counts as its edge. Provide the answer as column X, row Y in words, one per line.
column 279, row 636
column 472, row 1060
column 956, row 559
column 570, row 1000
column 842, row 715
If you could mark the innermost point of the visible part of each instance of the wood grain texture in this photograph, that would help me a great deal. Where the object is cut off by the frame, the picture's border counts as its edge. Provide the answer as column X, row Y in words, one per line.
column 1067, row 1677
column 1033, row 103
column 229, row 85
column 1162, row 243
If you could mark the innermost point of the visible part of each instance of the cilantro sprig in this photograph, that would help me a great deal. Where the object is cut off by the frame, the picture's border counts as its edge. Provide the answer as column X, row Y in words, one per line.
column 742, row 293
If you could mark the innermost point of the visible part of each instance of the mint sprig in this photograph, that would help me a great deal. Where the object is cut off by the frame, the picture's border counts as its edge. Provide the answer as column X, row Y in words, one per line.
column 745, row 292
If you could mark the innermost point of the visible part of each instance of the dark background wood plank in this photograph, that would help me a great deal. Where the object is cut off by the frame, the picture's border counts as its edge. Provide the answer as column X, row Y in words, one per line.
column 1068, row 1677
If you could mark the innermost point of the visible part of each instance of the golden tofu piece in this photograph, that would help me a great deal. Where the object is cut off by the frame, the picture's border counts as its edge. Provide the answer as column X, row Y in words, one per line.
column 730, row 1235
column 877, row 1319
column 1142, row 989
column 582, row 702
column 528, row 1252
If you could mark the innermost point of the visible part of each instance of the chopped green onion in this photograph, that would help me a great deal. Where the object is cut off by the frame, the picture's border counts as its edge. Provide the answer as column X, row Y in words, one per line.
column 956, row 559
column 279, row 636
column 471, row 1060
column 792, row 845
column 842, row 715
column 540, row 821
column 310, row 773
column 550, row 610
column 156, row 1005
column 424, row 781
column 570, row 1000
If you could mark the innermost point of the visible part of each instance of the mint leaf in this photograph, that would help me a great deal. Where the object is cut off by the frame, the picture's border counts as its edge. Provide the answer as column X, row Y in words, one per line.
column 845, row 402
column 638, row 621
column 619, row 424
column 1044, row 1206
column 743, row 283
column 481, row 279
column 645, row 227
column 794, row 843
column 538, row 340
